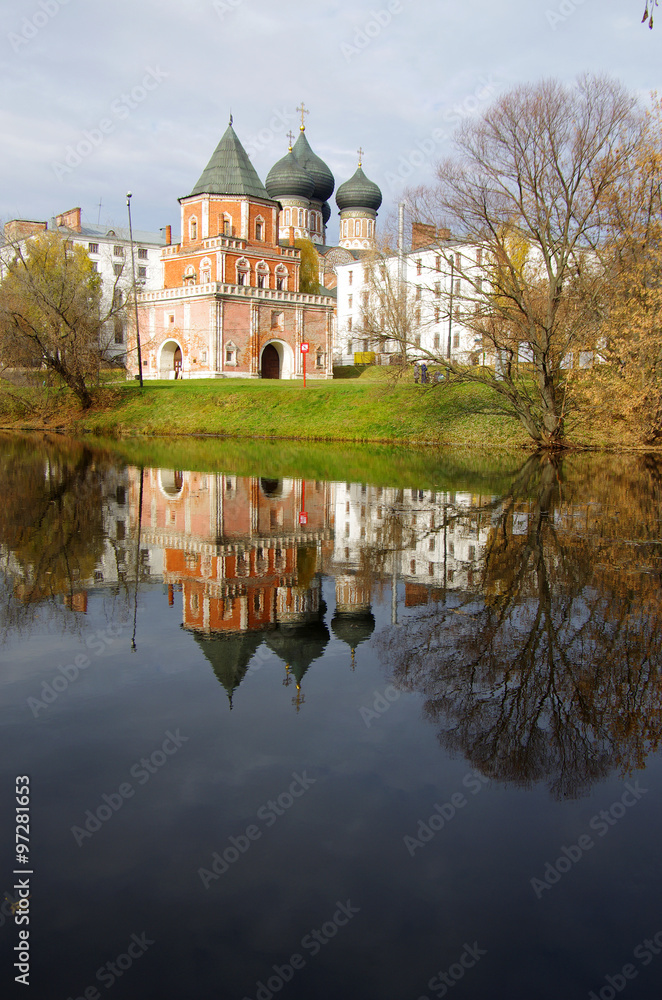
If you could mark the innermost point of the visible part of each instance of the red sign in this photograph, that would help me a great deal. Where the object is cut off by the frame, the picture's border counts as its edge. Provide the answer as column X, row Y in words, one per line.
column 304, row 348
column 303, row 517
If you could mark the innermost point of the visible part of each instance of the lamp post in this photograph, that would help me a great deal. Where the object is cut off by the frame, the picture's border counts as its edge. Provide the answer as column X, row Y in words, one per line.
column 135, row 292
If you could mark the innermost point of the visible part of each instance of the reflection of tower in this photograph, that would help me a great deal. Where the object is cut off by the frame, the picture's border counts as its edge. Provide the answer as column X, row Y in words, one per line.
column 353, row 621
column 230, row 656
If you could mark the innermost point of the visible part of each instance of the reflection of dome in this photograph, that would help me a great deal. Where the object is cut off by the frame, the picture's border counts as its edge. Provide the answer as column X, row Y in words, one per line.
column 358, row 192
column 288, row 179
column 299, row 645
column 353, row 628
column 315, row 167
column 230, row 656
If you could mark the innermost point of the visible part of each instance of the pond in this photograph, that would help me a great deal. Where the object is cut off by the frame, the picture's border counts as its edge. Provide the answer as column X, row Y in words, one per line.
column 305, row 723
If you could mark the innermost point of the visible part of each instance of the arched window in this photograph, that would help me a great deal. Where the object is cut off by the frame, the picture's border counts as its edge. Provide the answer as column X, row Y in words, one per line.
column 243, row 270
column 227, row 225
column 259, row 229
column 288, row 217
column 189, row 275
column 301, row 217
column 193, row 229
column 281, row 278
column 205, row 271
column 262, row 274
column 230, row 353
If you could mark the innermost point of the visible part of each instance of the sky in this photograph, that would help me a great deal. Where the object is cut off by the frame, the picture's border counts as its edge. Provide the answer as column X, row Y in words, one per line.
column 99, row 98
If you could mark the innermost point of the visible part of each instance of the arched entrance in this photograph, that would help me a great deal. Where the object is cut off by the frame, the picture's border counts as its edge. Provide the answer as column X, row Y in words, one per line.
column 170, row 360
column 270, row 367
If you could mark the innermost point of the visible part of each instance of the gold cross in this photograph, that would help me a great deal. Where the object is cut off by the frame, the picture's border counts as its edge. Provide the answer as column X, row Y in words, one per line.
column 360, row 152
column 290, row 136
column 304, row 111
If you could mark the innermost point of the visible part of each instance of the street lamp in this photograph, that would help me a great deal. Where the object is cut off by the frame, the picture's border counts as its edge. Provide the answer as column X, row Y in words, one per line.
column 135, row 292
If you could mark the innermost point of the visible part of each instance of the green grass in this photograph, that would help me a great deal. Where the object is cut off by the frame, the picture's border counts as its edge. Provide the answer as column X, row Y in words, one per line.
column 343, row 410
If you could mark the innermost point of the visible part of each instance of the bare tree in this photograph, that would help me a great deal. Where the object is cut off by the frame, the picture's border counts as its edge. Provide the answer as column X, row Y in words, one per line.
column 529, row 185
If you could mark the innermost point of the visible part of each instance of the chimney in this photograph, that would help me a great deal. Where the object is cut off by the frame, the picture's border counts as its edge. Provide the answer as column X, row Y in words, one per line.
column 70, row 220
column 291, row 236
column 20, row 229
column 424, row 235
column 168, row 235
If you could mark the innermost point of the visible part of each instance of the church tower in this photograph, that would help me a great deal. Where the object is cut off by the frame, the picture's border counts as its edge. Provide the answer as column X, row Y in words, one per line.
column 359, row 200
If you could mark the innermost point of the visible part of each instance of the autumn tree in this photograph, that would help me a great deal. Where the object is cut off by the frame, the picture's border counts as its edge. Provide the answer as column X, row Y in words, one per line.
column 535, row 170
column 628, row 385
column 52, row 314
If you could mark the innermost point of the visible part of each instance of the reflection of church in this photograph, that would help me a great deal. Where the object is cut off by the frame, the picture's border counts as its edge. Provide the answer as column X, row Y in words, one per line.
column 230, row 303
column 248, row 569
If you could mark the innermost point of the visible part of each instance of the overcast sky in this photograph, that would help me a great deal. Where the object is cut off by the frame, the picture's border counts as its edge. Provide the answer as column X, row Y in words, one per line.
column 143, row 89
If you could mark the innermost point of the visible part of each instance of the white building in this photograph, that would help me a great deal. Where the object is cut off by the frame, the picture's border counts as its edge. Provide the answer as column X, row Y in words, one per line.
column 443, row 280
column 109, row 249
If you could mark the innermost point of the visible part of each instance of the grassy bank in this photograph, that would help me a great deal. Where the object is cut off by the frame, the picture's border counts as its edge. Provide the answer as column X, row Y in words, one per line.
column 341, row 410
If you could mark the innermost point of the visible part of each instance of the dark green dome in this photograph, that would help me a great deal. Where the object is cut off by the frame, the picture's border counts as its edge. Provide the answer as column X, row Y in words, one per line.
column 353, row 628
column 317, row 168
column 358, row 192
column 287, row 178
column 326, row 212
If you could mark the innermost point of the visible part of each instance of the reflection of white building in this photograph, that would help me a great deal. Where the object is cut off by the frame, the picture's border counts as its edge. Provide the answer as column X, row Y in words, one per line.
column 435, row 539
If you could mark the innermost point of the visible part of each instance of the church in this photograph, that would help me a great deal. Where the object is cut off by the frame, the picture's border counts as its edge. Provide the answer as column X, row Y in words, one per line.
column 230, row 304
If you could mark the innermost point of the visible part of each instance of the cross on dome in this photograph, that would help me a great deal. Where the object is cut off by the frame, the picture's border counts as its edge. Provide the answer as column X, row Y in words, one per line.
column 360, row 152
column 303, row 111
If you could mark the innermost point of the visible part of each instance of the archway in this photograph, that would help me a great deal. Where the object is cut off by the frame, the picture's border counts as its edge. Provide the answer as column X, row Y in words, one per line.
column 170, row 360
column 270, row 367
column 277, row 360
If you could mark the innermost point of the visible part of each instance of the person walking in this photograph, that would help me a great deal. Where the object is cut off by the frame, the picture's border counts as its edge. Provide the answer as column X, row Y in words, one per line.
column 424, row 373
column 417, row 372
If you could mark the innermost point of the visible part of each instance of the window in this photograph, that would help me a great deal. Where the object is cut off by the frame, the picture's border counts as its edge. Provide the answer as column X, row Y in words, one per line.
column 93, row 248
column 437, row 288
column 259, row 230
column 119, row 334
column 281, row 283
column 417, row 316
column 479, row 256
column 456, row 340
column 350, row 299
column 437, row 314
column 479, row 285
column 277, row 321
column 118, row 268
column 319, row 363
column 350, row 277
column 457, row 286
column 288, row 217
column 436, row 341
column 142, row 272
column 95, row 266
column 418, row 293
column 301, row 217
column 241, row 277
column 171, row 318
column 142, row 253
column 227, row 227
column 230, row 354
column 419, row 266
column 203, row 357
column 437, row 263
column 349, row 324
column 193, row 229
column 118, row 251
column 260, row 281
column 350, row 345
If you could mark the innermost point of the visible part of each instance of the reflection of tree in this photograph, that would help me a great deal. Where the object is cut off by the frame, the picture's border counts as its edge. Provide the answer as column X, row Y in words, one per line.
column 51, row 524
column 553, row 672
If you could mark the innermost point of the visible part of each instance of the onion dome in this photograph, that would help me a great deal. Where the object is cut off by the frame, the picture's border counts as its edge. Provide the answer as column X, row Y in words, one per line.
column 358, row 192
column 317, row 168
column 326, row 212
column 288, row 179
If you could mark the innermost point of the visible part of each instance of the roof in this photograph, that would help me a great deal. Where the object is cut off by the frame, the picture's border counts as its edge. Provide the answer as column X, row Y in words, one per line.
column 288, row 178
column 316, row 167
column 359, row 192
column 230, row 172
column 110, row 233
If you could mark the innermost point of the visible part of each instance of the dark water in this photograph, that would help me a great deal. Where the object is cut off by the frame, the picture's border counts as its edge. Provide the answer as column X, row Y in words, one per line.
column 403, row 746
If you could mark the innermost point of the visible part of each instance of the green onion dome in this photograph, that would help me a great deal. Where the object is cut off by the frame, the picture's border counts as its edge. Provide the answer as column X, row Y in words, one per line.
column 287, row 178
column 315, row 167
column 359, row 192
column 326, row 212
